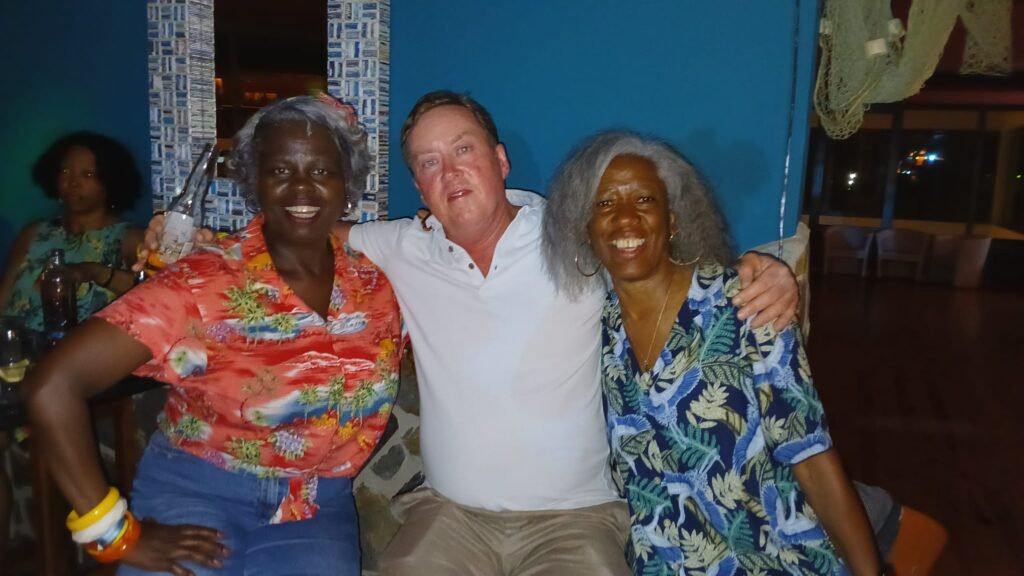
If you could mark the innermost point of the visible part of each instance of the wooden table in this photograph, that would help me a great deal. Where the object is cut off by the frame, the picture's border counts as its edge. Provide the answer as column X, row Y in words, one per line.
column 53, row 542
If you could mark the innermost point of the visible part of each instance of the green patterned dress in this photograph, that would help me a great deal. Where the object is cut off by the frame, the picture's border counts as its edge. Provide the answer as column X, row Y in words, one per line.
column 102, row 245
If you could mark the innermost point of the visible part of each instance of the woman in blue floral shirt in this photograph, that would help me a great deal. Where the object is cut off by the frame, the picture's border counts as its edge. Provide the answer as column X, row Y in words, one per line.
column 718, row 437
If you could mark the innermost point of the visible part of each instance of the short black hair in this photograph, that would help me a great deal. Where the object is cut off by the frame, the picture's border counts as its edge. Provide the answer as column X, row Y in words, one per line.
column 115, row 167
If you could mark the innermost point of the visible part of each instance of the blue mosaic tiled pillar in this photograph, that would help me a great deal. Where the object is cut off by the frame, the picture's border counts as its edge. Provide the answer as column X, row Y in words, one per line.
column 182, row 100
column 182, row 97
column 358, row 72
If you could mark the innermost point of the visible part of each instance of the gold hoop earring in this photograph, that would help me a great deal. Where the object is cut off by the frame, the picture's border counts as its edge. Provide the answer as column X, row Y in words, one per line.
column 678, row 263
column 576, row 260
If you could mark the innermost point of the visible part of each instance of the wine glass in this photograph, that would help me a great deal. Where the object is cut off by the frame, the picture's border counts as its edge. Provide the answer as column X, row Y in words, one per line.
column 13, row 358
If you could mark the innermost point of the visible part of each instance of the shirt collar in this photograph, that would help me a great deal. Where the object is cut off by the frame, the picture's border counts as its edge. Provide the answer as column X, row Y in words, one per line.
column 529, row 215
column 254, row 243
column 531, row 203
column 252, row 239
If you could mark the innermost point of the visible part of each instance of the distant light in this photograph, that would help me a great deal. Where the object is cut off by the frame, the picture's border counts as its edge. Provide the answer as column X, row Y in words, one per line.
column 933, row 157
column 853, row 175
column 1018, row 176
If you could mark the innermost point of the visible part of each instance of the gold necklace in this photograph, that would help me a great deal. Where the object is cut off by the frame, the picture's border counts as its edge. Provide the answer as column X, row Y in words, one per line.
column 645, row 363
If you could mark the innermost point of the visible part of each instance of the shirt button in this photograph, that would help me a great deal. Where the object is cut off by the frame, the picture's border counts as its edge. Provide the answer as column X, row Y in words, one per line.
column 451, row 249
column 472, row 266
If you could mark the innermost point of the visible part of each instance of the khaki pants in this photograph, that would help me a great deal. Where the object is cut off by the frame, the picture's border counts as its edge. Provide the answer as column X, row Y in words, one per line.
column 443, row 538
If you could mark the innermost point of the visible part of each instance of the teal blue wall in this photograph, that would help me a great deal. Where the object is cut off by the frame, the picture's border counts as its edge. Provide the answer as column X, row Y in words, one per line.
column 68, row 65
column 714, row 78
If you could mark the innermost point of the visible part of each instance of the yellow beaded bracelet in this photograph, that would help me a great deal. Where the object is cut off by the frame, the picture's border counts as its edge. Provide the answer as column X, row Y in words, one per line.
column 76, row 522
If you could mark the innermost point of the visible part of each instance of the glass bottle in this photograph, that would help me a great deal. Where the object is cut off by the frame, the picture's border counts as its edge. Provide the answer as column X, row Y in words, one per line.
column 185, row 213
column 58, row 293
column 14, row 358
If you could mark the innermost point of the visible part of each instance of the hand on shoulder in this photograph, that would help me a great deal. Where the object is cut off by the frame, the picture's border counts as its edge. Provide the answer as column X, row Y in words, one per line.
column 769, row 290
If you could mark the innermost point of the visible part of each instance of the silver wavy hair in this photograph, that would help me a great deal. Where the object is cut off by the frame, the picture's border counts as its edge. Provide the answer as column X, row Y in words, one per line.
column 700, row 233
column 243, row 164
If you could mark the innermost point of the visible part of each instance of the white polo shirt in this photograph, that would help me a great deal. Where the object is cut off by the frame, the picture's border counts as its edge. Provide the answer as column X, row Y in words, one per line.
column 508, row 368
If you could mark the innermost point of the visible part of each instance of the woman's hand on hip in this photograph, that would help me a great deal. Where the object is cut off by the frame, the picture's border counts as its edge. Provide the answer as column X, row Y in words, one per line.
column 162, row 548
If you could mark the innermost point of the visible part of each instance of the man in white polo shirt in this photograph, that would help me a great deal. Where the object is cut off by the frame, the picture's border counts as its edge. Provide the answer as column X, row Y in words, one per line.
column 512, row 432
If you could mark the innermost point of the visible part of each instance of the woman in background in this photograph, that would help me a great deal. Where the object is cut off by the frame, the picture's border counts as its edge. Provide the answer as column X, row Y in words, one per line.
column 94, row 178
column 718, row 436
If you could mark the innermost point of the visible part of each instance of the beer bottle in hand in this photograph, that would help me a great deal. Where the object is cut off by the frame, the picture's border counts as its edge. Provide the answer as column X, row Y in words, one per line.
column 185, row 213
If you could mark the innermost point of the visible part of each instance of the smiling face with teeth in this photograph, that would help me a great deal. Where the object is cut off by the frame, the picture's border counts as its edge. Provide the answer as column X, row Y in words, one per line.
column 630, row 224
column 301, row 182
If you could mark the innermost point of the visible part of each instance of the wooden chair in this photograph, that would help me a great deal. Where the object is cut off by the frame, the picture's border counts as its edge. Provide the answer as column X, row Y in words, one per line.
column 848, row 242
column 918, row 545
column 942, row 258
column 957, row 260
column 902, row 246
column 970, row 261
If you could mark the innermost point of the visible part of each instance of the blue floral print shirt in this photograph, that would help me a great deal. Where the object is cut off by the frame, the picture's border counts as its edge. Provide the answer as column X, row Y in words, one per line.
column 703, row 445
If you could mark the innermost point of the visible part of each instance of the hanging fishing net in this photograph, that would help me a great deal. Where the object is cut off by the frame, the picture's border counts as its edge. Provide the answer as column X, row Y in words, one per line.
column 987, row 50
column 868, row 57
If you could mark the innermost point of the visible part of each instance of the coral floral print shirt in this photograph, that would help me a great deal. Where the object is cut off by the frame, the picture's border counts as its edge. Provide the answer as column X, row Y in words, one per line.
column 259, row 382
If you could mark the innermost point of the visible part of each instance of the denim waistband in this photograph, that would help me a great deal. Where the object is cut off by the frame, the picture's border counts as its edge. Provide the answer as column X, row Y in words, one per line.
column 289, row 498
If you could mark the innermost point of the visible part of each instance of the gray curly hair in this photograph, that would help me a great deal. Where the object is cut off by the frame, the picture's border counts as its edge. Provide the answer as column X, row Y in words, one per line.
column 350, row 137
column 701, row 230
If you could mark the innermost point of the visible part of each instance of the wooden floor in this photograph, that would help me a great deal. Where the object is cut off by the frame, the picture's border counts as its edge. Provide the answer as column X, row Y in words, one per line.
column 924, row 389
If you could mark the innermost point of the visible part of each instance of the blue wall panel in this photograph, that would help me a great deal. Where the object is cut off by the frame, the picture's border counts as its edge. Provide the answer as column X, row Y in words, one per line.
column 68, row 65
column 714, row 78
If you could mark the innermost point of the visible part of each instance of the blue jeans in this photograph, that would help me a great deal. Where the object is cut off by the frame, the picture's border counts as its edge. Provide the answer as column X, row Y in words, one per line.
column 174, row 487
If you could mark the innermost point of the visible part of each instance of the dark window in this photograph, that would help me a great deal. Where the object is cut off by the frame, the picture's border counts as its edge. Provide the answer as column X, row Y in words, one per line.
column 266, row 50
column 854, row 179
column 935, row 175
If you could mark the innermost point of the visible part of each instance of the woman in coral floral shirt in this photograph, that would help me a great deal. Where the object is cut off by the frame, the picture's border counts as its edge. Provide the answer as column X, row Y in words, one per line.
column 281, row 348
